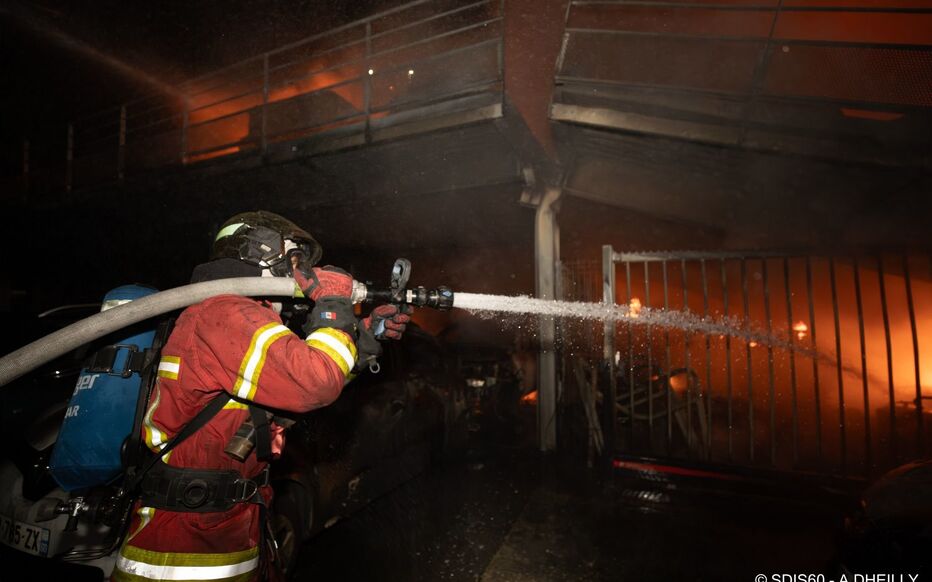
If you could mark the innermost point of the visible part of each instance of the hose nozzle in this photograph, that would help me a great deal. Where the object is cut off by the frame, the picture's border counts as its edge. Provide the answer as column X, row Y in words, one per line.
column 438, row 298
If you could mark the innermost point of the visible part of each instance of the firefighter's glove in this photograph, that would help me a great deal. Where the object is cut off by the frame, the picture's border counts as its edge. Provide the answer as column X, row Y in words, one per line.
column 325, row 282
column 387, row 321
column 368, row 349
column 334, row 312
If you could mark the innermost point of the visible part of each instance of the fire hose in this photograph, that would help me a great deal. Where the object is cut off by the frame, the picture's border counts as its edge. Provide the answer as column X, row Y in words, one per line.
column 46, row 349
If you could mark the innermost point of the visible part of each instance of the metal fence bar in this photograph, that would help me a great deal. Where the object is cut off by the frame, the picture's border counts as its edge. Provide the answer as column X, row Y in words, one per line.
column 369, row 53
column 204, row 122
column 131, row 115
column 805, row 447
column 815, row 360
column 886, row 334
column 756, row 7
column 666, row 335
column 761, row 67
column 864, row 380
column 792, row 354
column 225, row 80
column 699, row 255
column 608, row 347
column 501, row 48
column 749, row 39
column 731, row 448
column 148, row 107
column 841, row 379
column 628, row 299
column 367, row 90
column 770, row 372
column 449, row 33
column 317, row 54
column 750, row 366
column 686, row 340
column 333, row 31
column 650, row 359
column 708, row 363
column 683, row 90
column 139, row 128
column 915, row 335
column 433, row 17
column 253, row 91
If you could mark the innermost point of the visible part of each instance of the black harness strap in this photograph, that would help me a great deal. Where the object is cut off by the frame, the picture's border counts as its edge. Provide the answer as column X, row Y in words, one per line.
column 202, row 418
column 260, row 420
column 134, row 450
column 199, row 490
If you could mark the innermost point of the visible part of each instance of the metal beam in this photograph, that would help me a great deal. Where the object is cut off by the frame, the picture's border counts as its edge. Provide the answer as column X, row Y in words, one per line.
column 546, row 256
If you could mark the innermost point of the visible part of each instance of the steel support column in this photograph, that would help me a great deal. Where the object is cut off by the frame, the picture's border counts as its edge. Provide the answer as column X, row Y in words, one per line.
column 546, row 257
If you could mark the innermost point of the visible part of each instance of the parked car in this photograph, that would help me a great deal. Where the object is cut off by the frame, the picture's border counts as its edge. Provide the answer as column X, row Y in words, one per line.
column 384, row 429
column 891, row 528
column 33, row 408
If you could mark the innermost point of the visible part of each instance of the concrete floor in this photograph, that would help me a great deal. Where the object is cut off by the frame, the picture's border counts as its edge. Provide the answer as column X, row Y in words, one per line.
column 507, row 514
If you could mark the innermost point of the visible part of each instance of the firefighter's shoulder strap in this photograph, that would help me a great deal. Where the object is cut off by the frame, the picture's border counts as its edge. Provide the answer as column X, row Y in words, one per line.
column 199, row 420
column 135, row 452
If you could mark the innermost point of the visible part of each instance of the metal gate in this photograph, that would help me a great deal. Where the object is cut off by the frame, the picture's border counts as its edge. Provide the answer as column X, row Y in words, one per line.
column 825, row 369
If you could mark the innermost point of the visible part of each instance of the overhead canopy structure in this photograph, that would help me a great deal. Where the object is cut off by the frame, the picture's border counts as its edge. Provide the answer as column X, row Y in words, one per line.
column 789, row 121
column 842, row 78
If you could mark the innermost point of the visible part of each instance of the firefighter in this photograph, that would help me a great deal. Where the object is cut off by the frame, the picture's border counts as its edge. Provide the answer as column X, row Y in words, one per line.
column 201, row 512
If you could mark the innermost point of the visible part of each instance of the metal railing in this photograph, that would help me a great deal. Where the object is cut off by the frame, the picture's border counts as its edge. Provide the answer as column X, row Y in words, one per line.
column 421, row 59
column 753, row 49
column 841, row 386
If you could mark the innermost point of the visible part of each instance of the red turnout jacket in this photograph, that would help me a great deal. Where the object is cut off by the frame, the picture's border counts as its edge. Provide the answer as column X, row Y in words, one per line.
column 239, row 346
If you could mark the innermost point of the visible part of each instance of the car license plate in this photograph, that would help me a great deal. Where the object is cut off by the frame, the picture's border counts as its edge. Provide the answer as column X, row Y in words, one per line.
column 25, row 537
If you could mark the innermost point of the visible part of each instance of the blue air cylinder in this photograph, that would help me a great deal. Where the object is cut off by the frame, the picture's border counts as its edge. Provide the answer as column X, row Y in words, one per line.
column 100, row 414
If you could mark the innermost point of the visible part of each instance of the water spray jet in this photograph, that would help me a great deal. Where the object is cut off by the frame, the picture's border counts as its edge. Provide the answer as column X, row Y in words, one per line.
column 636, row 314
column 72, row 43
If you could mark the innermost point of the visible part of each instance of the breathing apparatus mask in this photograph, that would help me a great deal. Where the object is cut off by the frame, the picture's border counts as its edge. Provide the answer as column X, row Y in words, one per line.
column 267, row 249
column 260, row 244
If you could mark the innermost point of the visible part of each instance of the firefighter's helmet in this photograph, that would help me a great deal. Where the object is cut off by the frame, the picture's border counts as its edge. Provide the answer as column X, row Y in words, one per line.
column 268, row 241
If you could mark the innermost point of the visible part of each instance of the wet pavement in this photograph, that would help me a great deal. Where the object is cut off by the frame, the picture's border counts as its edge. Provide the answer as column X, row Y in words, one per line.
column 446, row 524
column 508, row 514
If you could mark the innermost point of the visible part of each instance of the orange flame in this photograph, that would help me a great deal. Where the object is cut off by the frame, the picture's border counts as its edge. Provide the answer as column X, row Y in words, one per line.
column 801, row 329
column 530, row 398
column 634, row 308
column 219, row 119
column 679, row 382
